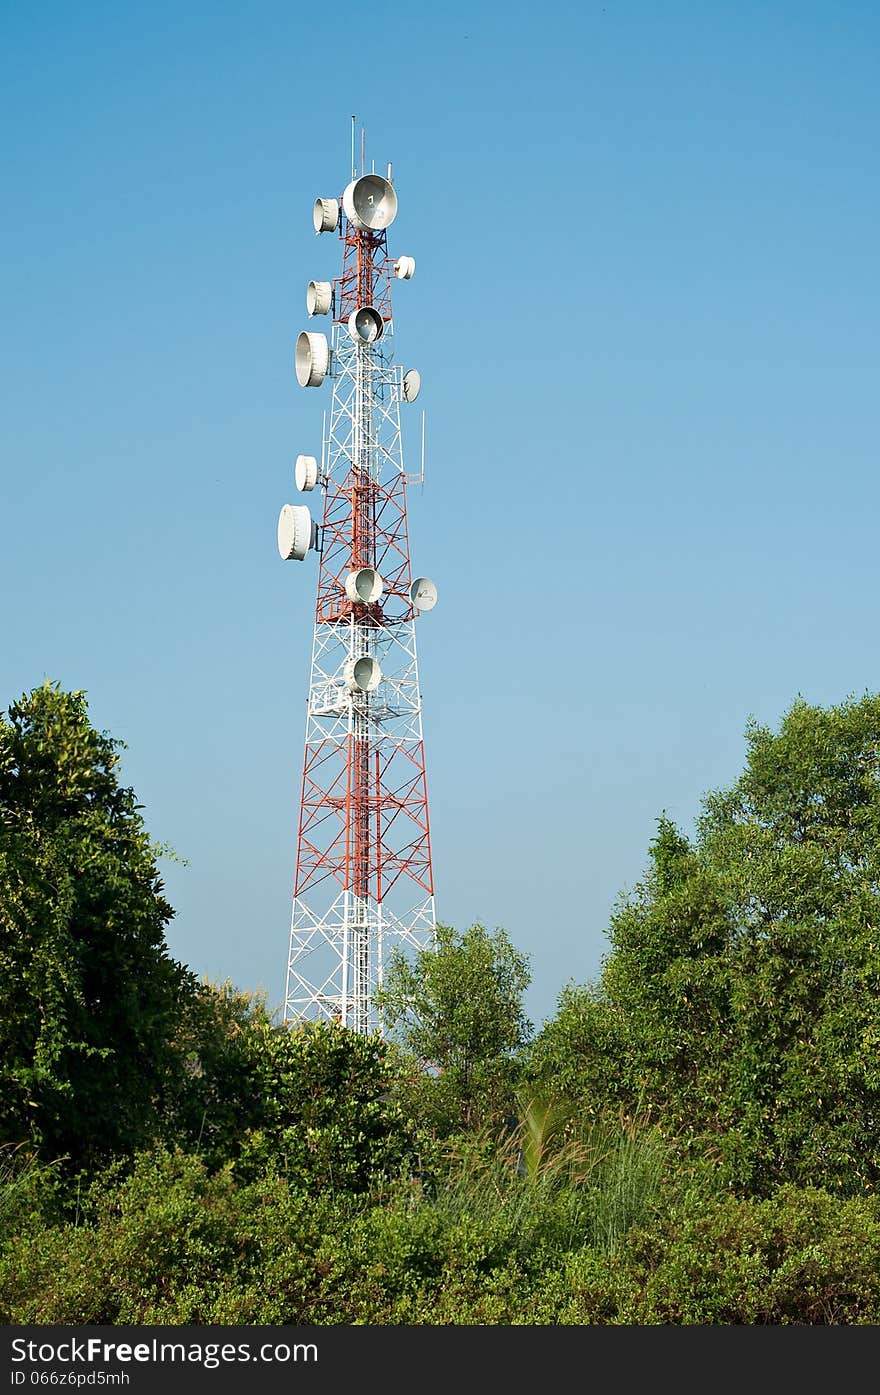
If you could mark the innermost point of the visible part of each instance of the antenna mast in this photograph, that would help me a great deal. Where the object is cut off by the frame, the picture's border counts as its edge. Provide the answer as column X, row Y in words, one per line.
column 364, row 879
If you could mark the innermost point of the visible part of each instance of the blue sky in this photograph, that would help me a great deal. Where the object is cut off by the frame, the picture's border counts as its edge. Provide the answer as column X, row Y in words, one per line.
column 645, row 313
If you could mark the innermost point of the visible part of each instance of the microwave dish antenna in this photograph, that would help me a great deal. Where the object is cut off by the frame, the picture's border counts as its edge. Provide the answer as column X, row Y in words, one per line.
column 370, row 203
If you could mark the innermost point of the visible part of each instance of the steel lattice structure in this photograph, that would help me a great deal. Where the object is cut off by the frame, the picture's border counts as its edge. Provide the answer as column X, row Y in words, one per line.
column 363, row 881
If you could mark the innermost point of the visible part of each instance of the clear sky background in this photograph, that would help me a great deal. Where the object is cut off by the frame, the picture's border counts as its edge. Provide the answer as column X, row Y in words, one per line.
column 646, row 315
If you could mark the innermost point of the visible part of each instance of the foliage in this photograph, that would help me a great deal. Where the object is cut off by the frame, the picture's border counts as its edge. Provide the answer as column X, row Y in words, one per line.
column 315, row 1103
column 175, row 1243
column 28, row 1194
column 693, row 1139
column 211, row 1101
column 740, row 1001
column 800, row 1256
column 325, row 1116
column 457, row 1009
column 89, row 995
column 555, row 1177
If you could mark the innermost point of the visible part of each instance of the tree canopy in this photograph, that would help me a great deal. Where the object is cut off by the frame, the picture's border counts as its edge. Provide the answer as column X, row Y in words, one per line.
column 89, row 995
column 457, row 1008
column 739, row 1001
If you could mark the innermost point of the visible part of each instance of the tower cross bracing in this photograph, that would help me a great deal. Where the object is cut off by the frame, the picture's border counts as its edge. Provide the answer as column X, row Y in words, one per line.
column 363, row 882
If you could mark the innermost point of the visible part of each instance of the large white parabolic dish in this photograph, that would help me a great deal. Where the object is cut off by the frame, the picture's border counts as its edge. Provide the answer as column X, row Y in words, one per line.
column 312, row 359
column 362, row 675
column 370, row 203
column 412, row 382
column 364, row 585
column 365, row 325
column 295, row 532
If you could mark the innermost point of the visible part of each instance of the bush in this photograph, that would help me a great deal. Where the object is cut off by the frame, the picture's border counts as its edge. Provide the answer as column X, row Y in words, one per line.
column 171, row 1243
column 801, row 1256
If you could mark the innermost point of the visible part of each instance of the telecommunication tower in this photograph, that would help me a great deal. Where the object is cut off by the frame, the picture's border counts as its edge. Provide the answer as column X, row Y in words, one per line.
column 363, row 883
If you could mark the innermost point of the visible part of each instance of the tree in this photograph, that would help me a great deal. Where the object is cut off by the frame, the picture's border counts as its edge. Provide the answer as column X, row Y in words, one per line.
column 210, row 1099
column 740, row 999
column 314, row 1103
column 458, row 1010
column 323, row 1111
column 89, row 996
column 652, row 1035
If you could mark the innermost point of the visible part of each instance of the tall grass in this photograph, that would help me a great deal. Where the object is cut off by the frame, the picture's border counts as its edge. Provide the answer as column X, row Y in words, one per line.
column 631, row 1168
column 553, row 1180
column 23, row 1183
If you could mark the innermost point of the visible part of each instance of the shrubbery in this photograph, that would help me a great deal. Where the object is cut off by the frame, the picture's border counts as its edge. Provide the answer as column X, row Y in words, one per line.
column 172, row 1242
column 692, row 1139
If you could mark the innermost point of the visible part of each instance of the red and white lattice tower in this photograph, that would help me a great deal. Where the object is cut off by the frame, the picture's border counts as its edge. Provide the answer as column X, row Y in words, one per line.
column 363, row 882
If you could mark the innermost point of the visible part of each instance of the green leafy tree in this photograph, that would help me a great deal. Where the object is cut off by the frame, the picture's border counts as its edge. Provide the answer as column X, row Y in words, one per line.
column 210, row 1098
column 89, row 996
column 458, row 1010
column 324, row 1113
column 740, row 1000
column 314, row 1103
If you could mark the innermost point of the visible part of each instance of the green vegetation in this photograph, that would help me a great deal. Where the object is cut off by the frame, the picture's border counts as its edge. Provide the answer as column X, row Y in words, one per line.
column 88, row 993
column 739, row 1003
column 457, row 1010
column 693, row 1138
